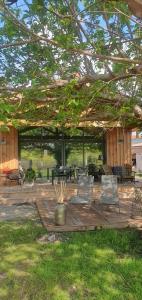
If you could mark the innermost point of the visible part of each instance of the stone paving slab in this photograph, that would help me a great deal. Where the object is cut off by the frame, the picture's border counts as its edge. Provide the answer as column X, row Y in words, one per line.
column 18, row 212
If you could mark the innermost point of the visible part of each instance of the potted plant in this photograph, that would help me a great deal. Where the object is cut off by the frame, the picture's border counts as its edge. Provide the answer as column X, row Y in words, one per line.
column 60, row 210
column 30, row 175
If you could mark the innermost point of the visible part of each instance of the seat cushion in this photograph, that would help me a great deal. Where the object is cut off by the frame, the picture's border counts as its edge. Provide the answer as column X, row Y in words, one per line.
column 117, row 170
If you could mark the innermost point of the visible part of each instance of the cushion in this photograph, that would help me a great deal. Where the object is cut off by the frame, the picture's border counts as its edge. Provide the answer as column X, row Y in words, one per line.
column 117, row 170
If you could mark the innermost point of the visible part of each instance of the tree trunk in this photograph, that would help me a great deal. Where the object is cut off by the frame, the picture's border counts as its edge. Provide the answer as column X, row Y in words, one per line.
column 136, row 7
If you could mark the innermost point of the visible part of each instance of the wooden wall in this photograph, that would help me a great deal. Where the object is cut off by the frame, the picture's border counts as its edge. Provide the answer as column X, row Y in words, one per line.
column 118, row 147
column 9, row 149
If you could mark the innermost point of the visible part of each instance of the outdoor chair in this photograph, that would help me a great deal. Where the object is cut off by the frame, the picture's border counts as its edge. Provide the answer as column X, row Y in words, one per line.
column 109, row 194
column 137, row 202
column 61, row 173
column 84, row 190
column 123, row 173
column 117, row 171
column 15, row 176
column 107, row 170
column 127, row 173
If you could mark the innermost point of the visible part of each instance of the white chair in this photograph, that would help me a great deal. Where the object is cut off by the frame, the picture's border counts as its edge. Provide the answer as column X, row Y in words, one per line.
column 84, row 190
column 109, row 191
column 136, row 208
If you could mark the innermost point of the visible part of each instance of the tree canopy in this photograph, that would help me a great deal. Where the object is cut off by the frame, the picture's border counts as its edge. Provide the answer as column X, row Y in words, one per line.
column 66, row 61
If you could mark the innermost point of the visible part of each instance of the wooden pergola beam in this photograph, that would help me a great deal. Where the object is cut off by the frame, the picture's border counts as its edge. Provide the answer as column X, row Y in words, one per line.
column 42, row 139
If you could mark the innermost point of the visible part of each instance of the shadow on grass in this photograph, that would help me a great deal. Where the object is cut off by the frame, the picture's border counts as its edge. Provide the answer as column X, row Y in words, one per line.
column 99, row 265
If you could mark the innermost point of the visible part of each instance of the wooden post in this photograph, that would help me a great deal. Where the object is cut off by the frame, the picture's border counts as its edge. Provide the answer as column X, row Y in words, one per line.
column 118, row 143
column 8, row 152
column 9, row 149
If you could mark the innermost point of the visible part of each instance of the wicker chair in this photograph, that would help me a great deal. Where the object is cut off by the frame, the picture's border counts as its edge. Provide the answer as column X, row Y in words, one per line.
column 15, row 176
column 127, row 173
column 123, row 173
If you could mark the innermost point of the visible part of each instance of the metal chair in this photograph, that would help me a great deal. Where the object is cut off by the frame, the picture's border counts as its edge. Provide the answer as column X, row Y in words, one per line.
column 84, row 190
column 137, row 202
column 109, row 195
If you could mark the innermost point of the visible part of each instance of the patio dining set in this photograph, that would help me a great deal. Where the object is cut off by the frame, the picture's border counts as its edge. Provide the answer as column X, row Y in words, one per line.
column 123, row 173
column 83, row 182
column 72, row 174
column 109, row 196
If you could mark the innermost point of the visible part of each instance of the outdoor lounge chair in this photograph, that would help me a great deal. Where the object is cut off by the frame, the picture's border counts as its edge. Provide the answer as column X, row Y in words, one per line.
column 109, row 195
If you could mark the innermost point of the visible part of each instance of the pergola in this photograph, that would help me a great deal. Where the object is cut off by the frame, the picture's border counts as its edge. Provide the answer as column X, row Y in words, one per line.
column 117, row 140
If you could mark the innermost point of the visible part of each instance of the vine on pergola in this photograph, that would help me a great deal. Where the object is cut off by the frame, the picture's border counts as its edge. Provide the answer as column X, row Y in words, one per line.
column 66, row 61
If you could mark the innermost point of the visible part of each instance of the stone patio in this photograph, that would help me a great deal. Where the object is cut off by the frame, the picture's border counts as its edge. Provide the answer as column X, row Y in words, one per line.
column 16, row 212
column 30, row 202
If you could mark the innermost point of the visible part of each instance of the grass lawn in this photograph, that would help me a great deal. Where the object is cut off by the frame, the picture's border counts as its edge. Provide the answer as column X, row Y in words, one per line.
column 100, row 265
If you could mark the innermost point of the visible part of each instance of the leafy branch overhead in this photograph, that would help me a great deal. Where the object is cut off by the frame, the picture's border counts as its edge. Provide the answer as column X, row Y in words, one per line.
column 69, row 61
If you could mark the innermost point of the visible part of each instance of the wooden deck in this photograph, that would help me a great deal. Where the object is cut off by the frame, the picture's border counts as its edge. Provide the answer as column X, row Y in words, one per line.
column 79, row 217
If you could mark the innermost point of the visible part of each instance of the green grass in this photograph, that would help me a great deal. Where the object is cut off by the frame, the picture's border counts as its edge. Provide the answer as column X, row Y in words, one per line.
column 100, row 265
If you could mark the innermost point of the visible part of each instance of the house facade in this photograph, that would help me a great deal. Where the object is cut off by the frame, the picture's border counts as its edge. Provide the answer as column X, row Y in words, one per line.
column 118, row 150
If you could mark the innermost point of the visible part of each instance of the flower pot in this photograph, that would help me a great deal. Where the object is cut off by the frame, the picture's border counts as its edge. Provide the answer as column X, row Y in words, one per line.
column 60, row 214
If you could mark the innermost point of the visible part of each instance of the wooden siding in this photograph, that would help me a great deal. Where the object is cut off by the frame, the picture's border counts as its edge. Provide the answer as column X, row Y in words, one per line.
column 9, row 149
column 118, row 147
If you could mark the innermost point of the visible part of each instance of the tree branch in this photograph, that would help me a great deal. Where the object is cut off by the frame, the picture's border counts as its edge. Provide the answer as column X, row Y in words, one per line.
column 129, row 17
column 19, row 43
column 80, row 82
column 73, row 50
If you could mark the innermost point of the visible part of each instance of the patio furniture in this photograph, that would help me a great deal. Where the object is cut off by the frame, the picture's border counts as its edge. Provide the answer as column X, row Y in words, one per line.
column 127, row 173
column 137, row 202
column 62, row 173
column 117, row 170
column 15, row 175
column 92, row 170
column 123, row 173
column 109, row 195
column 107, row 170
column 84, row 190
